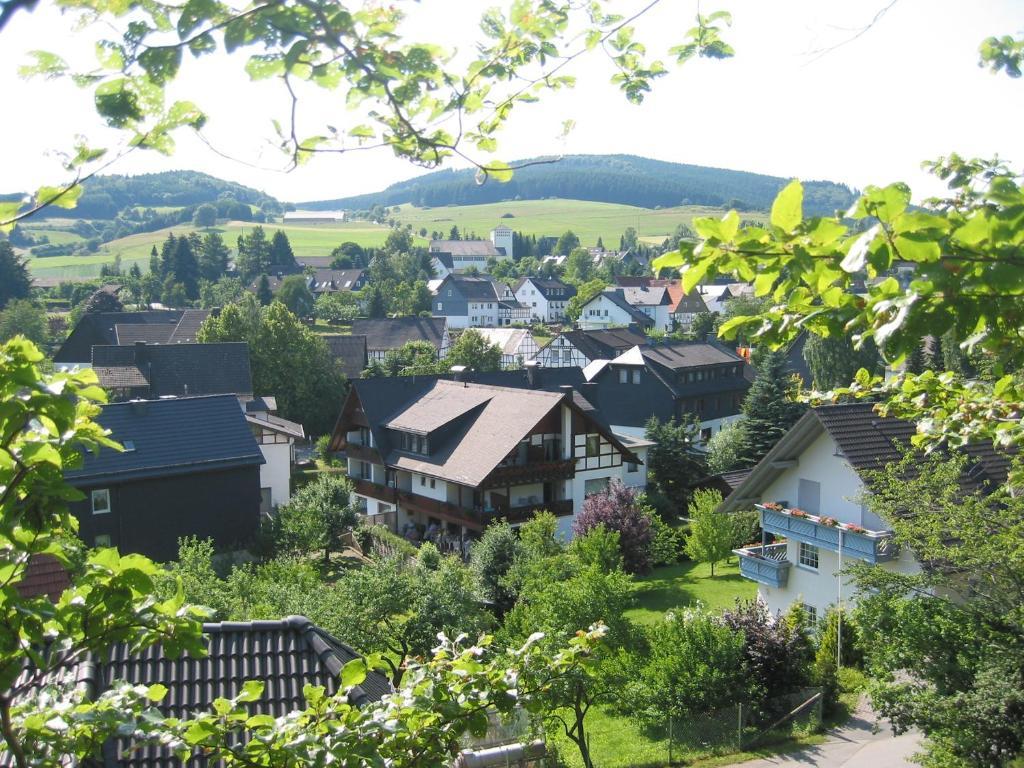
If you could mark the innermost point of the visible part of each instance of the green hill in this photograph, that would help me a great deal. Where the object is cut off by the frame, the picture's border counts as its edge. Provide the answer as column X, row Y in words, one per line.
column 621, row 179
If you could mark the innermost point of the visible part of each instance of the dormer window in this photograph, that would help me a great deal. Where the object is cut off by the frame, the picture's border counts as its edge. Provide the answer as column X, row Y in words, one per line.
column 415, row 443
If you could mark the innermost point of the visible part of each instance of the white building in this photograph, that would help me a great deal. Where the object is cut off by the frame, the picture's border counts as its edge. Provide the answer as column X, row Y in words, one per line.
column 609, row 309
column 276, row 437
column 501, row 237
column 547, row 299
column 810, row 490
column 517, row 344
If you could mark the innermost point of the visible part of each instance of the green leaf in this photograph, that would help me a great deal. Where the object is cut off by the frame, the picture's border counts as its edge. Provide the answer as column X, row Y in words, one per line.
column 252, row 690
column 499, row 171
column 353, row 673
column 914, row 247
column 62, row 197
column 7, row 212
column 109, row 54
column 156, row 692
column 787, row 210
column 161, row 63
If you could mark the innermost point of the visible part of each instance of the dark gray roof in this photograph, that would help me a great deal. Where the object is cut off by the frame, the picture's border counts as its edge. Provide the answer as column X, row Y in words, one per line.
column 679, row 355
column 605, row 343
column 126, row 333
column 98, row 328
column 548, row 287
column 393, row 332
column 334, row 280
column 617, row 297
column 285, row 655
column 187, row 328
column 867, row 441
column 472, row 288
column 350, row 351
column 170, row 437
column 178, row 369
column 641, row 295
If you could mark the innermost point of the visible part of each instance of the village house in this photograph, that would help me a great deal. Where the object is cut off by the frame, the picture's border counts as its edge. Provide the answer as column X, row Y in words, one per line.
column 612, row 309
column 517, row 344
column 669, row 380
column 581, row 348
column 388, row 334
column 440, row 459
column 164, row 326
column 190, row 467
column 810, row 493
column 546, row 298
column 478, row 302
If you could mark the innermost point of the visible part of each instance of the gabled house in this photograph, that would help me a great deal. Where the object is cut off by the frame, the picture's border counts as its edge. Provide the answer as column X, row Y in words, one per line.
column 432, row 457
column 517, row 344
column 810, row 490
column 166, row 326
column 716, row 296
column 669, row 380
column 546, row 298
column 477, row 302
column 581, row 348
column 349, row 352
column 277, row 437
column 152, row 371
column 610, row 308
column 683, row 307
column 190, row 467
column 285, row 655
column 387, row 334
column 326, row 280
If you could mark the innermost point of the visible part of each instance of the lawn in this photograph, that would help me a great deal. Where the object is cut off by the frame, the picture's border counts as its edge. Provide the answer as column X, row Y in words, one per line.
column 683, row 584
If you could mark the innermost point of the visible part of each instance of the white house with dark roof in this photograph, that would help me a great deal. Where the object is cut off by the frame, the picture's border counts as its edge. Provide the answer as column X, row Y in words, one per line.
column 517, row 344
column 469, row 301
column 580, row 348
column 546, row 298
column 387, row 334
column 440, row 458
column 610, row 309
column 456, row 256
column 810, row 491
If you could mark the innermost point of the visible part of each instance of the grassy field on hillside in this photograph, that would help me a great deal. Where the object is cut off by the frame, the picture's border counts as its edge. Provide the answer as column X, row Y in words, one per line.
column 533, row 217
column 553, row 217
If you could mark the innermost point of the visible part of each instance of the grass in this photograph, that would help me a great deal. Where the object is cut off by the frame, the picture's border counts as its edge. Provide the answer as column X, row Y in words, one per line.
column 552, row 217
column 684, row 584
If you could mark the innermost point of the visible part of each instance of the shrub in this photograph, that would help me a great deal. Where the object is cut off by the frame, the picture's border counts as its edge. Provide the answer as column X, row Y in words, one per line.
column 666, row 543
column 491, row 559
column 618, row 509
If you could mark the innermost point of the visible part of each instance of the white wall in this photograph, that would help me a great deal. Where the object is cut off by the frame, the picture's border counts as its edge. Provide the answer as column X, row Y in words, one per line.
column 840, row 489
column 601, row 304
column 276, row 473
column 421, row 485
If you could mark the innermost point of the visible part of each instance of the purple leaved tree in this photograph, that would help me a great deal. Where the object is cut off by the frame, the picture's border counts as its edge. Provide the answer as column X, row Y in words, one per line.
column 619, row 509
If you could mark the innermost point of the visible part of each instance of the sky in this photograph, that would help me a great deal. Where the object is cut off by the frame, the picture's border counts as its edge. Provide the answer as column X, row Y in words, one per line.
column 805, row 96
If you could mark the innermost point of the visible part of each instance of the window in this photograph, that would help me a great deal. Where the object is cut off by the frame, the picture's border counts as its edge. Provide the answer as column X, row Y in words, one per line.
column 632, row 467
column 567, row 355
column 636, row 377
column 101, row 540
column 423, row 480
column 440, row 306
column 433, row 483
column 812, row 613
column 808, row 555
column 623, row 376
column 593, row 445
column 100, row 501
column 449, row 293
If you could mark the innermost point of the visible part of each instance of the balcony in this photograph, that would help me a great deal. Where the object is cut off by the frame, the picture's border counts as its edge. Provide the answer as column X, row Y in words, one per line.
column 530, row 472
column 826, row 533
column 414, row 502
column 362, row 452
column 521, row 514
column 373, row 490
column 766, row 564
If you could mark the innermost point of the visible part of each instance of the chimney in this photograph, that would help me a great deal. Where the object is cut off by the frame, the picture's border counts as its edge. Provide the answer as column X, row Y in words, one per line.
column 458, row 372
column 532, row 373
column 566, row 390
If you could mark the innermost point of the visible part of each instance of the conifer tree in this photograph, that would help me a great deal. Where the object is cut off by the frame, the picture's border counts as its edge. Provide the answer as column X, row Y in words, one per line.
column 768, row 407
column 263, row 292
column 213, row 257
column 281, row 254
column 15, row 282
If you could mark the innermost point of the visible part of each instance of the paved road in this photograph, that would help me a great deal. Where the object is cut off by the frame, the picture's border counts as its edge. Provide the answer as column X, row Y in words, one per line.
column 857, row 744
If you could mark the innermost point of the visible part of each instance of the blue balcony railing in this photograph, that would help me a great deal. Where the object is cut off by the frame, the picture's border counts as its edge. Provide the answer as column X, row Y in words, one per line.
column 825, row 532
column 766, row 564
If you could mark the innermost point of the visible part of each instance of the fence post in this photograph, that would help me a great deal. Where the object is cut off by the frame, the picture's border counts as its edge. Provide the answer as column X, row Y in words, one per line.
column 739, row 726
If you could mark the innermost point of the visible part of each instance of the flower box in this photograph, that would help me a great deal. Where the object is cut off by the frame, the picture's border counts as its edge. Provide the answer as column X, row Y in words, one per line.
column 831, row 522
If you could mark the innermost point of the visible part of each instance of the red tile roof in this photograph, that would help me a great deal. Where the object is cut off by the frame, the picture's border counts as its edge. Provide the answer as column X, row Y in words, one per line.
column 44, row 577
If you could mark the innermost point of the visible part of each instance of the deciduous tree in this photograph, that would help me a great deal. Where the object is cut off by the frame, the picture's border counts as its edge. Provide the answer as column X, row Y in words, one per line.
column 619, row 509
column 472, row 350
column 294, row 293
column 712, row 533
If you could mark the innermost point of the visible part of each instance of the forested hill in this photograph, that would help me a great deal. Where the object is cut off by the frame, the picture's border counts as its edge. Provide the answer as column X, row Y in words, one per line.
column 106, row 196
column 624, row 179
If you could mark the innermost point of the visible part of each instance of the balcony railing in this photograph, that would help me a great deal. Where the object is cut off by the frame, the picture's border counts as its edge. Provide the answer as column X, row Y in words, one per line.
column 827, row 533
column 366, row 487
column 522, row 513
column 531, row 472
column 414, row 502
column 362, row 452
column 765, row 565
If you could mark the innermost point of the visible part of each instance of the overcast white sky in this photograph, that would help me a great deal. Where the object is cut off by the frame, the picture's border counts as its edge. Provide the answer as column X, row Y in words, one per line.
column 869, row 111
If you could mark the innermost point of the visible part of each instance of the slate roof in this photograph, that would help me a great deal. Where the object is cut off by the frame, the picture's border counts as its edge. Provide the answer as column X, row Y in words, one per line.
column 169, row 437
column 679, row 355
column 125, row 334
column 277, row 424
column 187, row 328
column 547, row 288
column 646, row 296
column 473, row 288
column 285, row 655
column 482, row 248
column 867, row 441
column 176, row 369
column 326, row 280
column 99, row 328
column 604, row 343
column 350, row 351
column 393, row 332
column 617, row 297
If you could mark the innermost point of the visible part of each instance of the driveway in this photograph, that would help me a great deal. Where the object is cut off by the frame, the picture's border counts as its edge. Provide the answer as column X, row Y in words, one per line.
column 856, row 744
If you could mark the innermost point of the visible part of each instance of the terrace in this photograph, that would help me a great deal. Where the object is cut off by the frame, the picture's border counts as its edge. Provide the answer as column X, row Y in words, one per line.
column 827, row 533
column 766, row 564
